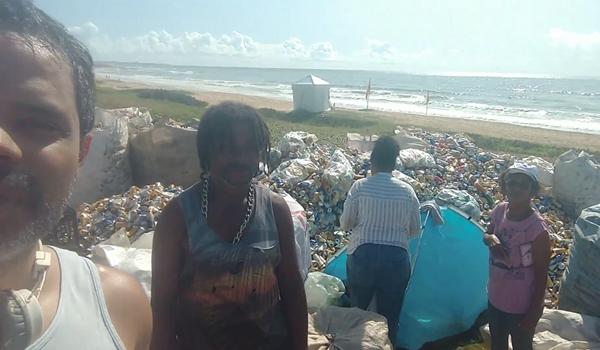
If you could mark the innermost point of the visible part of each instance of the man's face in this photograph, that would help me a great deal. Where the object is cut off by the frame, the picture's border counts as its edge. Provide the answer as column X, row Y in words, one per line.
column 39, row 141
column 237, row 162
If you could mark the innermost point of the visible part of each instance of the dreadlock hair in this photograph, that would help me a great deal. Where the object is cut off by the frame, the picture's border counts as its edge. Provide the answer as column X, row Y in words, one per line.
column 215, row 131
column 384, row 153
column 28, row 22
column 535, row 186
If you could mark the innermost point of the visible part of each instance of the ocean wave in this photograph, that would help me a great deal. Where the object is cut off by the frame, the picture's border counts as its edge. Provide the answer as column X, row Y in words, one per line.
column 495, row 108
column 574, row 124
column 468, row 102
column 275, row 88
column 376, row 96
column 178, row 72
column 577, row 93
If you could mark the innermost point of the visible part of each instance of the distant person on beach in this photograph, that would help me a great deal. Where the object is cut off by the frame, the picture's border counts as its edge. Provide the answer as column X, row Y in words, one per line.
column 52, row 298
column 225, row 273
column 519, row 256
column 382, row 213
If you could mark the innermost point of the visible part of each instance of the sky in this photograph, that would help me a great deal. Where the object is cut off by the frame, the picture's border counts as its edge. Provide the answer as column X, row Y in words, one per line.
column 459, row 37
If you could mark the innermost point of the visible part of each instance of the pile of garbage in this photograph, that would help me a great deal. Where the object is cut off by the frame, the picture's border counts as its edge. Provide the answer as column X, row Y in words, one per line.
column 135, row 211
column 447, row 168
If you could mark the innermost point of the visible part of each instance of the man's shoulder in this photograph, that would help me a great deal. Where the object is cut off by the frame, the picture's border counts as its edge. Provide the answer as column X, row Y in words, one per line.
column 122, row 289
column 118, row 282
column 401, row 184
column 360, row 183
column 389, row 184
column 128, row 306
column 124, row 298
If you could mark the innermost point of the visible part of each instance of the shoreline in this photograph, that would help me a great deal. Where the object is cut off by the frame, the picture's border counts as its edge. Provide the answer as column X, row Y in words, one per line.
column 504, row 131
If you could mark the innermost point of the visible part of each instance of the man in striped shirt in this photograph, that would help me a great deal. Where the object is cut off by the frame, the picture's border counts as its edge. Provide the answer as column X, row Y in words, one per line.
column 382, row 213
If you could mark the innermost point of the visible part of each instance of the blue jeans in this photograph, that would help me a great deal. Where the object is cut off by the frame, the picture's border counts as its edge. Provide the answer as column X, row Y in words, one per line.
column 382, row 271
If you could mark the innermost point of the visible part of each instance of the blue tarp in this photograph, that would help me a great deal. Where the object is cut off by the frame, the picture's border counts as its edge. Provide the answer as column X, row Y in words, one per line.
column 447, row 291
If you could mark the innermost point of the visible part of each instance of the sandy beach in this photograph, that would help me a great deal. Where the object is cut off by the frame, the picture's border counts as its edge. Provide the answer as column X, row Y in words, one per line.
column 505, row 131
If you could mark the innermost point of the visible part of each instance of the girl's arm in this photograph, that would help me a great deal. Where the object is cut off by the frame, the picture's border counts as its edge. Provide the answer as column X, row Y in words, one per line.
column 541, row 260
column 488, row 235
column 489, row 232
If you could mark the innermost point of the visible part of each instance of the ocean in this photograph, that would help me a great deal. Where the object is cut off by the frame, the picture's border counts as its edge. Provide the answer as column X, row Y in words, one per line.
column 560, row 104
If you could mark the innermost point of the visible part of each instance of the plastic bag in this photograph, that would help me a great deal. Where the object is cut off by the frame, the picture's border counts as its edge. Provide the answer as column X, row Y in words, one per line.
column 322, row 290
column 117, row 252
column 462, row 200
column 339, row 174
column 347, row 329
column 407, row 140
column 576, row 182
column 294, row 171
column 300, row 234
column 294, row 144
column 403, row 177
column 360, row 143
column 580, row 288
column 416, row 159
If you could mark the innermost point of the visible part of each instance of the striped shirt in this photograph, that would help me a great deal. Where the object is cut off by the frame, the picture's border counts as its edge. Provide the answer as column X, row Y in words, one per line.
column 381, row 210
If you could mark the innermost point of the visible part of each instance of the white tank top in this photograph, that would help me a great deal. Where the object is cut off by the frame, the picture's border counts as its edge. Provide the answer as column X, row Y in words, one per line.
column 82, row 321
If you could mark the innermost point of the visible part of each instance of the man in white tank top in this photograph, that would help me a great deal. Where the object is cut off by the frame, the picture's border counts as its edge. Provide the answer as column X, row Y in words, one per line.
column 46, row 113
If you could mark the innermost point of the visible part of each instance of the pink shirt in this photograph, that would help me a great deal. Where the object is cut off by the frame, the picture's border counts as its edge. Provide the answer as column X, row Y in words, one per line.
column 511, row 284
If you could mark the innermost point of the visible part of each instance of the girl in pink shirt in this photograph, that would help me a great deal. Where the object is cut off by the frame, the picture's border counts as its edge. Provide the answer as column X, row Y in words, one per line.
column 519, row 256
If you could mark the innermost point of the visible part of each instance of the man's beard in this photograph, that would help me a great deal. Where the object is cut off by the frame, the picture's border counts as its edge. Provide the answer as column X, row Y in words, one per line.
column 46, row 217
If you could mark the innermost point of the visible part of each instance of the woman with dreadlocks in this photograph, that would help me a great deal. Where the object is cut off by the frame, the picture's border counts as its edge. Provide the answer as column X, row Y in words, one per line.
column 225, row 274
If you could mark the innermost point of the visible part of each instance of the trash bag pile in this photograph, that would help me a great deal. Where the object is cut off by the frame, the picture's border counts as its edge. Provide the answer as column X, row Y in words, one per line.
column 450, row 169
column 135, row 211
column 580, row 285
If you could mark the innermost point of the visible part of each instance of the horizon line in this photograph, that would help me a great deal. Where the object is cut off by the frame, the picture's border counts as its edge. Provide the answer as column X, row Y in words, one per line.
column 458, row 74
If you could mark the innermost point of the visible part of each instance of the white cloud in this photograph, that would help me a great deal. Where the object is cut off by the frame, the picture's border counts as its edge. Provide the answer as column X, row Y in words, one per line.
column 574, row 40
column 86, row 30
column 153, row 42
column 380, row 50
column 237, row 44
column 195, row 44
column 161, row 46
column 293, row 47
column 385, row 53
column 163, row 42
column 323, row 51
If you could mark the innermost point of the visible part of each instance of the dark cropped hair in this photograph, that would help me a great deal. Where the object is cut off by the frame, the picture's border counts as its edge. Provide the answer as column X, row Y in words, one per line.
column 23, row 18
column 535, row 186
column 215, row 131
column 385, row 152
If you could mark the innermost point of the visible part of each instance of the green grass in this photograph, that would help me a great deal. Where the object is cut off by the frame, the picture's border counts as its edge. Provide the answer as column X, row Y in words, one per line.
column 163, row 103
column 331, row 127
column 177, row 106
column 518, row 148
column 171, row 95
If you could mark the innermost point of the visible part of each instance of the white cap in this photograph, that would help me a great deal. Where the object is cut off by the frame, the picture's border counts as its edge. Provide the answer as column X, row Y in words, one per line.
column 520, row 167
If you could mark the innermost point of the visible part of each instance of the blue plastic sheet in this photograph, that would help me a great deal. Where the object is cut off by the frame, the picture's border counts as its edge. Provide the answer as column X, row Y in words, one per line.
column 447, row 291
